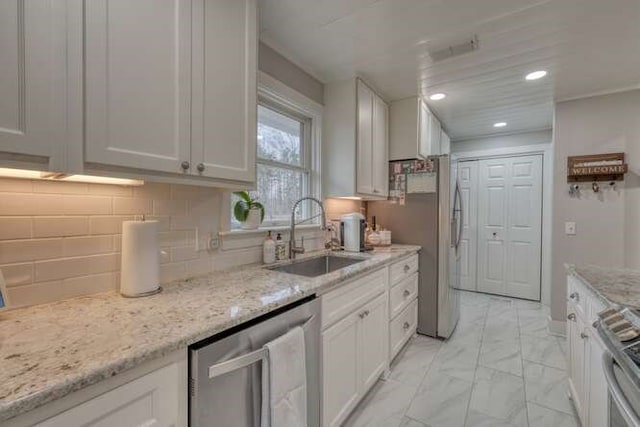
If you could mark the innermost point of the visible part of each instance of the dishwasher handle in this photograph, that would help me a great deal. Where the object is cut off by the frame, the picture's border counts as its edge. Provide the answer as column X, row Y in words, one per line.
column 616, row 393
column 237, row 363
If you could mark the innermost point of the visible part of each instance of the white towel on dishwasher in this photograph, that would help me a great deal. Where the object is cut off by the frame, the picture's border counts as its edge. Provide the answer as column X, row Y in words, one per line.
column 284, row 381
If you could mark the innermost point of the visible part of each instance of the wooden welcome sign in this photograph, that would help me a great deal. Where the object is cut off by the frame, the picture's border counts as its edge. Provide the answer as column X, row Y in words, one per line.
column 596, row 167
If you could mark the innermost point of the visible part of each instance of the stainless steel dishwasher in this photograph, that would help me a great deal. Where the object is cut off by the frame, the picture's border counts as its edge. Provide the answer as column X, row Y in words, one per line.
column 225, row 374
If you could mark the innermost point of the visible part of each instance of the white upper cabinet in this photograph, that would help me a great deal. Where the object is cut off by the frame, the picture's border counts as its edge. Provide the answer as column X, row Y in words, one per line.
column 445, row 143
column 224, row 89
column 355, row 141
column 171, row 86
column 32, row 97
column 415, row 132
column 138, row 83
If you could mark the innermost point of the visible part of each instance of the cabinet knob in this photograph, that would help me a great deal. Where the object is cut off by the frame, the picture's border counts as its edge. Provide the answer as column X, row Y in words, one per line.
column 200, row 167
column 571, row 316
column 406, row 268
column 575, row 296
column 583, row 335
column 185, row 165
column 364, row 314
column 406, row 325
column 406, row 293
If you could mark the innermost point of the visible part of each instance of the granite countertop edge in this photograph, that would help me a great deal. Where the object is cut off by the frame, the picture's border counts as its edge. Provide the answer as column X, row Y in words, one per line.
column 612, row 286
column 75, row 381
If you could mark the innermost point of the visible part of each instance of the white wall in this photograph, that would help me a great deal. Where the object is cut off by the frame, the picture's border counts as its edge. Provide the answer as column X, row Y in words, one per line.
column 539, row 142
column 607, row 223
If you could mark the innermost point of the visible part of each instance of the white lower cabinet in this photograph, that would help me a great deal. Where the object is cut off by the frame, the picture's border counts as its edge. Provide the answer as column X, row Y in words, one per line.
column 587, row 384
column 354, row 351
column 152, row 400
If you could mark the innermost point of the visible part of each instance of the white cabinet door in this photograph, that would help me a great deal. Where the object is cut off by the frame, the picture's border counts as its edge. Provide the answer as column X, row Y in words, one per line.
column 224, row 89
column 445, row 143
column 32, row 97
column 340, row 389
column 424, row 130
column 434, row 134
column 374, row 344
column 576, row 359
column 152, row 400
column 468, row 181
column 364, row 153
column 380, row 148
column 598, row 408
column 138, row 83
column 509, row 226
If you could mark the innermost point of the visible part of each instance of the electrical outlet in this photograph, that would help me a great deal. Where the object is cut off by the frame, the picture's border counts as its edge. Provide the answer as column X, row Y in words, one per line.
column 570, row 228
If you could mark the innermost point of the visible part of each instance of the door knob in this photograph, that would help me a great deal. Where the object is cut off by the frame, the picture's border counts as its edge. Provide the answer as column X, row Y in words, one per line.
column 185, row 165
column 200, row 167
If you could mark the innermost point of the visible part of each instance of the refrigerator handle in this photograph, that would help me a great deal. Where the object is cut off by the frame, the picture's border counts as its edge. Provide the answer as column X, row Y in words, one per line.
column 460, row 216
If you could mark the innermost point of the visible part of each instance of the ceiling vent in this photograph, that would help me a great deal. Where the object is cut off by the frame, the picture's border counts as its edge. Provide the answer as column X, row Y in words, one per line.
column 452, row 50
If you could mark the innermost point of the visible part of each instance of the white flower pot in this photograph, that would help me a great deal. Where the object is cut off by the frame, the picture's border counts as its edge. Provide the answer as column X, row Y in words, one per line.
column 253, row 220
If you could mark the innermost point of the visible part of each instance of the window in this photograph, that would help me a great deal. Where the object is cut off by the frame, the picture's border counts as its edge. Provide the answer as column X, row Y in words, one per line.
column 286, row 159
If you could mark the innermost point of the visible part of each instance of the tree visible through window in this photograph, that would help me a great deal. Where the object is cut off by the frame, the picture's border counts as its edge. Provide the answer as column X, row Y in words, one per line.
column 283, row 164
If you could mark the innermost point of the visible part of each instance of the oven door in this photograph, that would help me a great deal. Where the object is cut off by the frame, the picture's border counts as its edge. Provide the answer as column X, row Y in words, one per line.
column 624, row 395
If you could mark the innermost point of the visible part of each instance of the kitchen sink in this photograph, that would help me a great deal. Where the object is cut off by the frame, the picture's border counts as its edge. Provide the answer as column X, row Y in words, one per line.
column 315, row 267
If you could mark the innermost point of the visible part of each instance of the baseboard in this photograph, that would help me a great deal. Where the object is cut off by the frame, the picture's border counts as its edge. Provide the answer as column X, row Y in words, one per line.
column 557, row 327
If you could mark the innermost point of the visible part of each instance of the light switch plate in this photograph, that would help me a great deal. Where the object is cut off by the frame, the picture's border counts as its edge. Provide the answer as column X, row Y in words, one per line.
column 570, row 228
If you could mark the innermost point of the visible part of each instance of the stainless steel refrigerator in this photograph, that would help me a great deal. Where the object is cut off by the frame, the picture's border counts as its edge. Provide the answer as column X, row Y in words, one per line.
column 428, row 213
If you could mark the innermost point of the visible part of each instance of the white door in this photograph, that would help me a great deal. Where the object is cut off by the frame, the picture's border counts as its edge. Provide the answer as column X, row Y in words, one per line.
column 138, row 83
column 340, row 387
column 364, row 180
column 468, row 181
column 509, row 226
column 224, row 89
column 380, row 154
column 32, row 96
column 374, row 341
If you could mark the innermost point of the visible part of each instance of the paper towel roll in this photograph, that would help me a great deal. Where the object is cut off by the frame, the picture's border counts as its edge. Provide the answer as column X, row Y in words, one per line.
column 140, row 266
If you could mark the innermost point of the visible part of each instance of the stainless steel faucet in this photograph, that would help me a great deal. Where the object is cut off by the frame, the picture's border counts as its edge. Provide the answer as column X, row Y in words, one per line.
column 293, row 249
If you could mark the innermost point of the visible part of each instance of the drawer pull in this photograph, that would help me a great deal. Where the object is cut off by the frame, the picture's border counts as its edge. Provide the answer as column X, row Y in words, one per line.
column 406, row 268
column 406, row 293
column 572, row 316
column 406, row 325
column 364, row 314
column 575, row 296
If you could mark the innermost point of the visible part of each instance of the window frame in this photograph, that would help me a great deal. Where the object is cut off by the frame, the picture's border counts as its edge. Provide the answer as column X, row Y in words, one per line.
column 279, row 97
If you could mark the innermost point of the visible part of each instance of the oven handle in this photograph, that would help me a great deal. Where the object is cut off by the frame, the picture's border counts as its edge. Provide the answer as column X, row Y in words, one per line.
column 616, row 392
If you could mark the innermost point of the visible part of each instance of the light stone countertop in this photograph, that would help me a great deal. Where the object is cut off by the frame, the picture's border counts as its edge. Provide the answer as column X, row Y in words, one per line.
column 612, row 285
column 50, row 350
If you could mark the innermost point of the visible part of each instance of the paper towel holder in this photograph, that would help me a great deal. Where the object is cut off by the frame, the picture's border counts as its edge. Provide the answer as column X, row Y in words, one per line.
column 132, row 264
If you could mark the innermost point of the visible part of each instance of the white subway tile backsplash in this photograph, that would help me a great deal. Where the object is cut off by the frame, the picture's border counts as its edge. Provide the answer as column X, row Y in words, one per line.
column 169, row 207
column 65, row 268
column 172, row 271
column 152, row 190
column 17, row 204
column 88, row 245
column 15, row 228
column 125, row 206
column 11, row 185
column 60, row 226
column 107, row 224
column 14, row 251
column 110, row 190
column 87, row 205
column 17, row 274
column 184, row 253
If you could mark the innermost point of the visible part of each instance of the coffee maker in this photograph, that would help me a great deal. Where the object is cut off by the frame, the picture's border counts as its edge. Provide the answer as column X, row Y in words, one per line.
column 352, row 232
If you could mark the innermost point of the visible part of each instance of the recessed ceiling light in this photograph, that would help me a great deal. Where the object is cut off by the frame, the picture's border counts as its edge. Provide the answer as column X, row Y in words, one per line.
column 438, row 96
column 499, row 124
column 536, row 75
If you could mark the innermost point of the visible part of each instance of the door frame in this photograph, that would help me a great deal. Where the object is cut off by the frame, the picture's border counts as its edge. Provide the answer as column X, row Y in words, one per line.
column 544, row 149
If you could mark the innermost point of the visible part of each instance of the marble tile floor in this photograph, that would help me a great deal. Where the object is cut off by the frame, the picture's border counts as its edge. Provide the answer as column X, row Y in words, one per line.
column 499, row 368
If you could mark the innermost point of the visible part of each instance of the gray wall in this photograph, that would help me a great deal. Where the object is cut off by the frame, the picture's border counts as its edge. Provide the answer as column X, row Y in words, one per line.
column 607, row 227
column 279, row 67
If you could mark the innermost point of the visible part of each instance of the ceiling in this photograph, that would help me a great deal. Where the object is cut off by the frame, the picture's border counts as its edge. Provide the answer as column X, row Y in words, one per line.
column 587, row 46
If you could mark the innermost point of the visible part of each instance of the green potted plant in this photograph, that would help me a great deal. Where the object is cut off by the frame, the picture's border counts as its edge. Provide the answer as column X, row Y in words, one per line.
column 249, row 212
